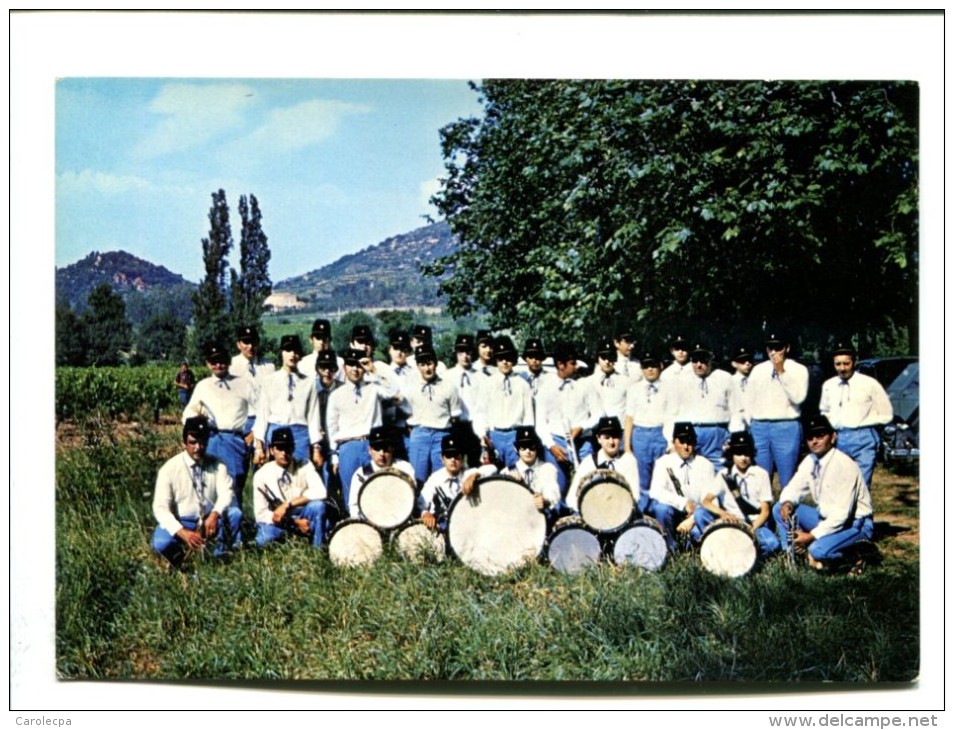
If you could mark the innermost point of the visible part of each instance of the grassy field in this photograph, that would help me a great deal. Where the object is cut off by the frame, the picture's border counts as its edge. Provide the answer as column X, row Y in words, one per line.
column 287, row 613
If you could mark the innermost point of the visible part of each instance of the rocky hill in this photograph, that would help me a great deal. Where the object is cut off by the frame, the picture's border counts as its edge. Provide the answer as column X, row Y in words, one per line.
column 125, row 272
column 387, row 274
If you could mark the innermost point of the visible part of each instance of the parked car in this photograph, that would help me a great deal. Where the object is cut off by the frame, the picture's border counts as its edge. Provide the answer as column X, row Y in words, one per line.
column 884, row 369
column 900, row 440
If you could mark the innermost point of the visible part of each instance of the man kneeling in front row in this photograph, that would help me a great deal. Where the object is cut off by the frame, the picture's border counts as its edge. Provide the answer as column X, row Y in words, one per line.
column 289, row 494
column 192, row 500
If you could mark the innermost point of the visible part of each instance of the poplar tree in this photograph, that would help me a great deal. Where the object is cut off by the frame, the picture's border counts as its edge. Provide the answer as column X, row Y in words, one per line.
column 210, row 300
column 251, row 285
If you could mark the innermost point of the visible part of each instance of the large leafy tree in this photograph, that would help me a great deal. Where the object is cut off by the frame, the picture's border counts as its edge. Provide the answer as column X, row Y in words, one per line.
column 251, row 286
column 210, row 300
column 714, row 207
column 71, row 339
column 108, row 332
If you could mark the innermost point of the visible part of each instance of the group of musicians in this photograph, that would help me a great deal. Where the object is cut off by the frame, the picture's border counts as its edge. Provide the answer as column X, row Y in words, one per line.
column 694, row 443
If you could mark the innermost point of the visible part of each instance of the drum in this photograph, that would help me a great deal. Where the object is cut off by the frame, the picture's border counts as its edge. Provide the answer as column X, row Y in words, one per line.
column 573, row 546
column 496, row 528
column 387, row 498
column 642, row 544
column 728, row 548
column 355, row 542
column 418, row 544
column 605, row 501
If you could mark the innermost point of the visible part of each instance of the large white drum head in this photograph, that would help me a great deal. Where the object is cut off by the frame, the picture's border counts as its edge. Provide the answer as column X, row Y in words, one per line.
column 418, row 544
column 642, row 544
column 497, row 528
column 605, row 501
column 387, row 498
column 728, row 549
column 573, row 547
column 353, row 543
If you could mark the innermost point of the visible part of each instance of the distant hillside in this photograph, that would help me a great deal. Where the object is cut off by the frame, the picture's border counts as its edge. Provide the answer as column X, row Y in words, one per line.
column 384, row 275
column 125, row 272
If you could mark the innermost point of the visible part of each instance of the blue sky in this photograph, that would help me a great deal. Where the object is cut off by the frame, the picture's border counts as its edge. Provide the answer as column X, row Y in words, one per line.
column 336, row 165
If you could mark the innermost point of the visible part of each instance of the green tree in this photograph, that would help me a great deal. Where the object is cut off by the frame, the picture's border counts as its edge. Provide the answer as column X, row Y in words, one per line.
column 162, row 337
column 107, row 331
column 715, row 207
column 71, row 339
column 251, row 286
column 210, row 300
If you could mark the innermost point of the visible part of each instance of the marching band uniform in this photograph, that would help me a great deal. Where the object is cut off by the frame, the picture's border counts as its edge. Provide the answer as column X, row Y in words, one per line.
column 755, row 487
column 432, row 406
column 361, row 476
column 320, row 332
column 288, row 397
column 607, row 388
column 468, row 381
column 648, row 421
column 301, row 479
column 507, row 404
column 440, row 490
column 563, row 405
column 624, row 464
column 256, row 370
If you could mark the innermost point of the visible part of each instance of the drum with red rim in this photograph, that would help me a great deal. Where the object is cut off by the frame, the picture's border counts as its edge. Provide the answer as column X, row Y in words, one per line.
column 573, row 546
column 605, row 501
column 497, row 527
column 355, row 542
column 729, row 548
column 387, row 498
column 641, row 544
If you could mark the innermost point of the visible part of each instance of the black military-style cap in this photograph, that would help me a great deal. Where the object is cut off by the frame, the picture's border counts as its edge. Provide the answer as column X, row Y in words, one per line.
column 464, row 343
column 742, row 443
column 678, row 343
column 845, row 348
column 685, row 432
column 246, row 334
column 321, row 329
column 742, row 353
column 380, row 437
column 216, row 352
column 291, row 343
column 649, row 360
column 327, row 359
column 400, row 341
column 777, row 339
column 353, row 356
column 606, row 349
column 818, row 425
column 504, row 348
column 534, row 348
column 424, row 354
column 485, row 337
column 283, row 437
column 451, row 446
column 362, row 333
column 421, row 332
column 198, row 427
column 527, row 436
column 608, row 426
column 700, row 350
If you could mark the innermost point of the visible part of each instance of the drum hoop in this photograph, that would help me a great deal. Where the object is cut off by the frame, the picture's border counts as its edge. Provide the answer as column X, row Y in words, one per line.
column 451, row 550
column 578, row 523
column 743, row 527
column 397, row 532
column 351, row 521
column 602, row 476
column 641, row 523
column 392, row 472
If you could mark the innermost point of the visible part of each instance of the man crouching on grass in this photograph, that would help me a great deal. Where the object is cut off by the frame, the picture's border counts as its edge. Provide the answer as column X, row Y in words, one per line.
column 192, row 500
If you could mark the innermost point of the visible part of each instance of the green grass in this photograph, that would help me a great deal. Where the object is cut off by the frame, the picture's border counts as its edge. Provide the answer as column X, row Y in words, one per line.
column 286, row 613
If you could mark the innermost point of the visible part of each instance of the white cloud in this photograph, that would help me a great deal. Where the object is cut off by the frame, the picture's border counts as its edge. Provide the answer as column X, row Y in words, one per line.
column 296, row 127
column 101, row 183
column 193, row 114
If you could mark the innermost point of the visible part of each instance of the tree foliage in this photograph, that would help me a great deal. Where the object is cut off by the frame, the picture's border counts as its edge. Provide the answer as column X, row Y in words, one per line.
column 71, row 340
column 712, row 207
column 107, row 332
column 251, row 285
column 210, row 300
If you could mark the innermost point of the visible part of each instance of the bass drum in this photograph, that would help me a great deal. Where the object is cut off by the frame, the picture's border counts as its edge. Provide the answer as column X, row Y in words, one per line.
column 355, row 542
column 605, row 501
column 573, row 546
column 497, row 527
column 387, row 498
column 418, row 544
column 728, row 548
column 641, row 544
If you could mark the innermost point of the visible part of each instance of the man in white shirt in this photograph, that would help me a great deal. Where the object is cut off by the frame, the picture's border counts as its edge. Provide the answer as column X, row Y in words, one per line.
column 533, row 357
column 539, row 475
column 624, row 344
column 289, row 494
column 507, row 404
column 287, row 399
column 192, row 501
column 841, row 515
column 679, row 367
column 468, row 381
column 777, row 388
column 607, row 387
column 380, row 452
column 856, row 405
column 609, row 435
column 647, row 427
column 320, row 341
column 444, row 484
column 743, row 360
column 248, row 364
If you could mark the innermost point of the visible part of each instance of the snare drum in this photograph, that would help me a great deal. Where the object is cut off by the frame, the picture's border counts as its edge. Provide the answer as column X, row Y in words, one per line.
column 387, row 498
column 642, row 544
column 573, row 546
column 605, row 501
column 355, row 542
column 497, row 527
column 418, row 544
column 728, row 548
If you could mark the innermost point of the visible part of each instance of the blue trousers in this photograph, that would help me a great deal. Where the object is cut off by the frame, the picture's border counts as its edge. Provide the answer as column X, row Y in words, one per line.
column 300, row 432
column 829, row 547
column 667, row 515
column 352, row 455
column 777, row 444
column 228, row 536
column 709, row 441
column 648, row 444
column 505, row 445
column 424, row 451
column 861, row 444
column 564, row 470
column 229, row 448
column 313, row 511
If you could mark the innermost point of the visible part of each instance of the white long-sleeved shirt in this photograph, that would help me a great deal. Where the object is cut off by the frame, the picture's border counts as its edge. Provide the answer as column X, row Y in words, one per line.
column 256, row 370
column 777, row 397
column 708, row 400
column 755, row 487
column 629, row 369
column 468, row 382
column 674, row 371
column 855, row 403
column 431, row 404
column 353, row 410
column 540, row 477
column 441, row 488
column 362, row 474
column 225, row 402
column 623, row 464
column 180, row 492
column 696, row 479
column 535, row 380
column 301, row 479
column 562, row 404
column 648, row 404
column 607, row 394
column 506, row 403
column 308, row 365
column 287, row 399
column 743, row 394
column 837, row 488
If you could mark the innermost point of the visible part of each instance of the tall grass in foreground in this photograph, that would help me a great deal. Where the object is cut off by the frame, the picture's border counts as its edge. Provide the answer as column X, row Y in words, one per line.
column 287, row 613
